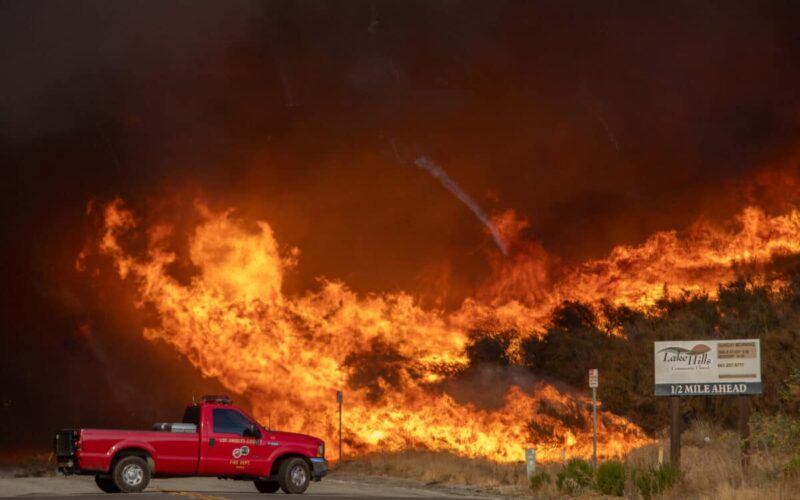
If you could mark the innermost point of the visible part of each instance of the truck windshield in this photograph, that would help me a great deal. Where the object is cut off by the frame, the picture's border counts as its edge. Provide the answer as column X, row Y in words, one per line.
column 228, row 421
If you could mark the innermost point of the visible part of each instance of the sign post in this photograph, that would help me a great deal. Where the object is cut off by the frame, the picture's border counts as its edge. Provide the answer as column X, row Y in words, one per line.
column 339, row 400
column 593, row 383
column 707, row 368
column 675, row 433
column 744, row 428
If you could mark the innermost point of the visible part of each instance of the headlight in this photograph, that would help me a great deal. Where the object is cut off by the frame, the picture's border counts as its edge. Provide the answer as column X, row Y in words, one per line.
column 321, row 450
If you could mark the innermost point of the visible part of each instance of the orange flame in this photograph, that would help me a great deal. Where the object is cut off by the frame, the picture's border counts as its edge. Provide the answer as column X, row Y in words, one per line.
column 289, row 354
column 526, row 288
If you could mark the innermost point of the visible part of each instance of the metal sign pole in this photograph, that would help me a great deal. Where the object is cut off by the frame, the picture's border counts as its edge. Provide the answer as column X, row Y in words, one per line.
column 594, row 380
column 594, row 427
column 340, row 399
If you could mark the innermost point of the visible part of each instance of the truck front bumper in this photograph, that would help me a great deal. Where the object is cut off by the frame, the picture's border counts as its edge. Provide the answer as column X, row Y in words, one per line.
column 319, row 468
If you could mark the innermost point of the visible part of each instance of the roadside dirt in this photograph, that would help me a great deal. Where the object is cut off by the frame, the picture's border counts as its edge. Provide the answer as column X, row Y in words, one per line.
column 348, row 485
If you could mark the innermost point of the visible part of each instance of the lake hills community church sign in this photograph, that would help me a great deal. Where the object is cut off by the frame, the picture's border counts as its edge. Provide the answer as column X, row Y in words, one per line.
column 708, row 367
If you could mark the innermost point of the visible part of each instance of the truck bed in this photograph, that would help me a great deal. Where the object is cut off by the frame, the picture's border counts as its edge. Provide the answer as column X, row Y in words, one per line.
column 176, row 453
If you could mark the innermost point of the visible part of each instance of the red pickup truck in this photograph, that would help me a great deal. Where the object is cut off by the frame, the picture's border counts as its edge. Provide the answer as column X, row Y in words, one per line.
column 215, row 438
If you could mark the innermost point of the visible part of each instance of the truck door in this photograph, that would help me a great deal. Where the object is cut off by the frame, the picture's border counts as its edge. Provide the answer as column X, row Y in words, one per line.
column 228, row 448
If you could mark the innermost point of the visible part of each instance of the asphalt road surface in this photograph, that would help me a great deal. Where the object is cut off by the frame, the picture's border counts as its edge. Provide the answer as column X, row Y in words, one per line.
column 83, row 487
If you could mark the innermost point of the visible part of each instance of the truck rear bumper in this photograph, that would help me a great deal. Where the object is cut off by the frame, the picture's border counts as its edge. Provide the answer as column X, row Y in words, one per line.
column 68, row 466
column 319, row 468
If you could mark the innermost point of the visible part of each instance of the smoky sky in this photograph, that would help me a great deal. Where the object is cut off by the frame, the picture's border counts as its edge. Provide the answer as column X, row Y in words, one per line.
column 599, row 122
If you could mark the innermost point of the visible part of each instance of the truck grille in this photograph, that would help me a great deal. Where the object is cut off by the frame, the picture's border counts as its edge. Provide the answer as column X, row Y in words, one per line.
column 65, row 443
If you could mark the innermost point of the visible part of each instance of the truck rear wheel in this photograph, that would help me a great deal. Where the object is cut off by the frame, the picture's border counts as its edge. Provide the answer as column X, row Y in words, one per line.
column 267, row 486
column 131, row 474
column 106, row 484
column 294, row 475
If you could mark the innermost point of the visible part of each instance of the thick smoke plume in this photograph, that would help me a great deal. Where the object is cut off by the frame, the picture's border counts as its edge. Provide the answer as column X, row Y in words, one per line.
column 604, row 124
column 438, row 172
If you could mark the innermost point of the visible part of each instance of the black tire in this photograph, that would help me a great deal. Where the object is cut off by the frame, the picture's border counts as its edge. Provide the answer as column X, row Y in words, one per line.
column 131, row 474
column 106, row 484
column 294, row 476
column 267, row 486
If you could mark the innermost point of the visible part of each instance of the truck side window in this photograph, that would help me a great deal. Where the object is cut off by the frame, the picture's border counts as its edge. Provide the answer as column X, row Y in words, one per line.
column 192, row 416
column 230, row 422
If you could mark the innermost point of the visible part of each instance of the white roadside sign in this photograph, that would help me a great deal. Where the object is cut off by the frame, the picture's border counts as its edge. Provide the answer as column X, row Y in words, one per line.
column 593, row 379
column 708, row 367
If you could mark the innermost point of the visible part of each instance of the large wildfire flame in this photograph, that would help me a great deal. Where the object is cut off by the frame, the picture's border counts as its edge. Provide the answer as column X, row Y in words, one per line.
column 289, row 354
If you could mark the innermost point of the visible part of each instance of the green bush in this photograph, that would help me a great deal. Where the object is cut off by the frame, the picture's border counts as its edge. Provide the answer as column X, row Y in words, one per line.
column 779, row 432
column 539, row 479
column 653, row 481
column 575, row 477
column 611, row 478
column 645, row 482
column 792, row 468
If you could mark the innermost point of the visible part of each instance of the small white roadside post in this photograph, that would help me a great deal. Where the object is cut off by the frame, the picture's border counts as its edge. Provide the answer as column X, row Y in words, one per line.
column 339, row 400
column 593, row 383
column 530, row 462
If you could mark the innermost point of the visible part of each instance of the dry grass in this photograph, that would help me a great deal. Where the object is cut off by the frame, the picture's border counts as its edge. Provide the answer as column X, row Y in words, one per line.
column 441, row 468
column 35, row 465
column 431, row 467
column 711, row 464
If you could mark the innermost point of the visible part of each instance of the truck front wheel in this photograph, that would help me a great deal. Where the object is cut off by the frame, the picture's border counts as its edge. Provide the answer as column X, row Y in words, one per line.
column 106, row 484
column 294, row 475
column 267, row 486
column 131, row 474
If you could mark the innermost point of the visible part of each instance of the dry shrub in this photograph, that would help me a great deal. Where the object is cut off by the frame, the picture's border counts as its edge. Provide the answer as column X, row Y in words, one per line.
column 576, row 477
column 710, row 457
column 647, row 455
column 37, row 465
column 539, row 479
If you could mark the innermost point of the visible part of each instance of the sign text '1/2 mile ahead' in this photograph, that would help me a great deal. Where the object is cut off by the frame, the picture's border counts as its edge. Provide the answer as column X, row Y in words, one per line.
column 708, row 367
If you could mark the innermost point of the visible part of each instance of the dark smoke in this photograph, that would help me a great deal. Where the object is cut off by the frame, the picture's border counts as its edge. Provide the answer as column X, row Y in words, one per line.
column 486, row 385
column 378, row 369
column 598, row 123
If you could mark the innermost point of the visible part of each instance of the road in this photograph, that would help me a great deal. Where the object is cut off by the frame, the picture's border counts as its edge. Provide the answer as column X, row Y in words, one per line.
column 83, row 487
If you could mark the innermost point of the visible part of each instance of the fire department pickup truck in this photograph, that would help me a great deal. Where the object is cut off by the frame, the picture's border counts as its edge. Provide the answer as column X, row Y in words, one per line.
column 215, row 438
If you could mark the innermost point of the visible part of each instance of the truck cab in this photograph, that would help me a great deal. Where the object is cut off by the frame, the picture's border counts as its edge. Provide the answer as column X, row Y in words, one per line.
column 214, row 438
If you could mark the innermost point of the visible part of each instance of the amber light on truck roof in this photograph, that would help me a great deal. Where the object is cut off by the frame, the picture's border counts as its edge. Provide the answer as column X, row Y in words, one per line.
column 223, row 400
